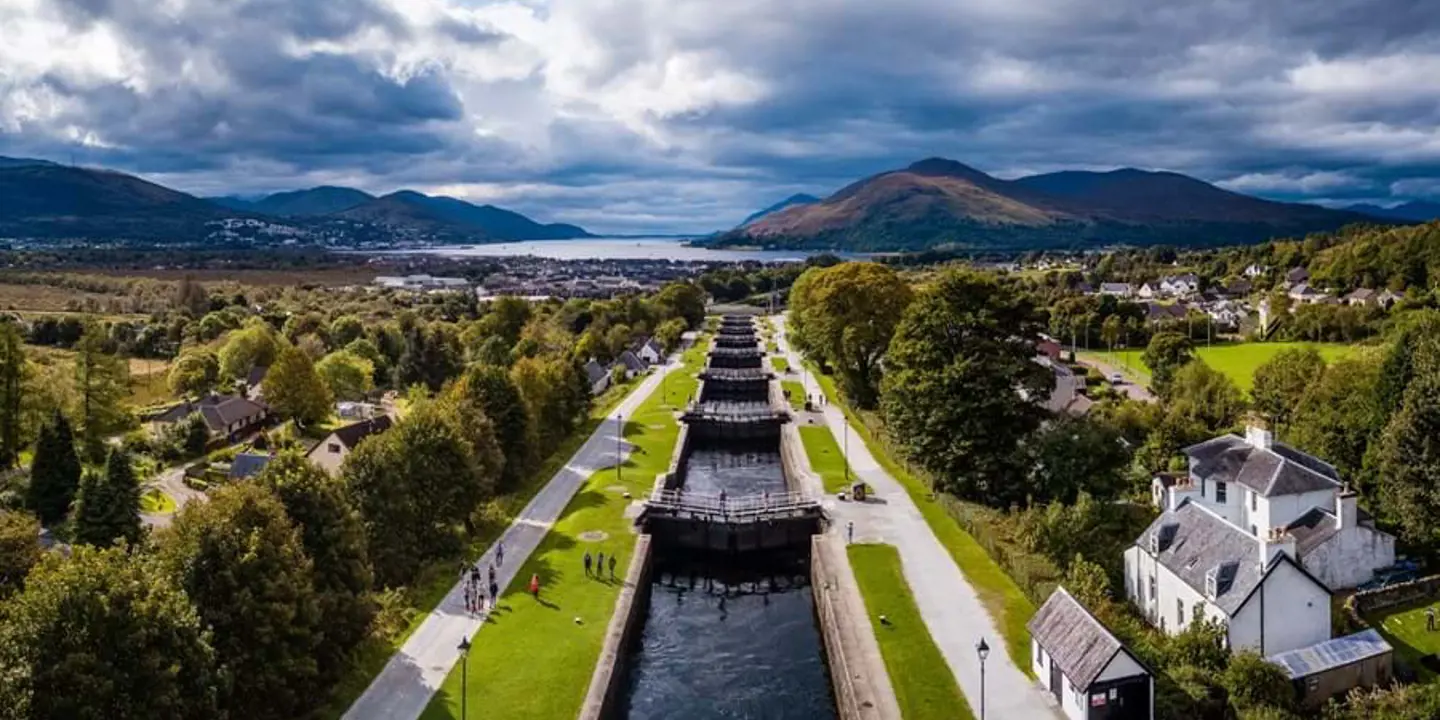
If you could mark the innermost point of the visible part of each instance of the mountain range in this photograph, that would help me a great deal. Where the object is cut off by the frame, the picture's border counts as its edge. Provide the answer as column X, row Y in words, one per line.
column 797, row 199
column 46, row 200
column 1414, row 211
column 939, row 202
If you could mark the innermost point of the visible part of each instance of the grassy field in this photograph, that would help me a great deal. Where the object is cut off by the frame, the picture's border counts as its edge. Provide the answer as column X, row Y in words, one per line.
column 1404, row 628
column 533, row 660
column 825, row 457
column 436, row 580
column 797, row 393
column 1236, row 360
column 780, row 364
column 1006, row 603
column 924, row 685
column 155, row 502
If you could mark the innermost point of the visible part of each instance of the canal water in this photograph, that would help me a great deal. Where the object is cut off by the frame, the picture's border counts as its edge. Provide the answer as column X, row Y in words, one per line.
column 729, row 640
column 737, row 467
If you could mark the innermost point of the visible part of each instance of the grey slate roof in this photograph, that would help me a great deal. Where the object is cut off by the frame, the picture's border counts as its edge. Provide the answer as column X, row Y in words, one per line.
column 1073, row 638
column 221, row 411
column 352, row 434
column 1312, row 529
column 631, row 361
column 594, row 372
column 1280, row 470
column 1197, row 541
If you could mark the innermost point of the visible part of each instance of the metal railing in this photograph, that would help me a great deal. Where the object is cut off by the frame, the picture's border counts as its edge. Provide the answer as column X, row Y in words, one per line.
column 732, row 508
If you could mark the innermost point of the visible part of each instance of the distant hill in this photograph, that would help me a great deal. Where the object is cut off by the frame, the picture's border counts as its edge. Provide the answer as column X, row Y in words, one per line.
column 941, row 202
column 1414, row 211
column 797, row 199
column 48, row 200
column 457, row 218
column 314, row 202
column 9, row 162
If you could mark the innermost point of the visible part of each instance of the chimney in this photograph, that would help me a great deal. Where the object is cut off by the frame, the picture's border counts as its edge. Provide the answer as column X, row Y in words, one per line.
column 1346, row 512
column 1272, row 545
column 1258, row 436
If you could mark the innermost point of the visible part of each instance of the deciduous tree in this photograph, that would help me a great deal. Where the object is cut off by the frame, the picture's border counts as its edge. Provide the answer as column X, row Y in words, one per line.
column 348, row 375
column 1409, row 463
column 19, row 549
column 486, row 395
column 846, row 315
column 254, row 345
column 294, row 390
column 195, row 372
column 1206, row 396
column 1165, row 355
column 1280, row 383
column 1072, row 455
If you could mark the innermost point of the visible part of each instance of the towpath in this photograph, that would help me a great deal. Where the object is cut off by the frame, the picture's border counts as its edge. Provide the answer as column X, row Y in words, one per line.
column 948, row 603
column 403, row 689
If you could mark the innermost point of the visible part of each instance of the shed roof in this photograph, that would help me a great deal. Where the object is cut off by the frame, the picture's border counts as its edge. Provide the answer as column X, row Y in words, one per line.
column 1331, row 654
column 1074, row 639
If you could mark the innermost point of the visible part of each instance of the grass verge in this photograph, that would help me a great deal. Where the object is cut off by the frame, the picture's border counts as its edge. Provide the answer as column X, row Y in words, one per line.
column 825, row 456
column 436, row 579
column 780, row 364
column 924, row 685
column 1238, row 361
column 156, row 502
column 533, row 660
column 1404, row 628
column 1005, row 601
column 796, row 393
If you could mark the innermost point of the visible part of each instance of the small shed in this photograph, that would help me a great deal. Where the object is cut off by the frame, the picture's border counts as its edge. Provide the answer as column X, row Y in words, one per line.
column 1335, row 667
column 1086, row 668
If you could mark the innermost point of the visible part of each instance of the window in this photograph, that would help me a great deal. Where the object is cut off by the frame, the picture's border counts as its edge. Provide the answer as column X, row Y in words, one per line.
column 1179, row 612
column 1153, row 594
column 1219, row 492
column 1252, row 530
column 334, row 448
column 1253, row 501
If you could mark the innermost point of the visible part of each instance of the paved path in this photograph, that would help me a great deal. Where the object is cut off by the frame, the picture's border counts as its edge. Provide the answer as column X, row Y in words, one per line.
column 172, row 482
column 1134, row 385
column 948, row 603
column 403, row 689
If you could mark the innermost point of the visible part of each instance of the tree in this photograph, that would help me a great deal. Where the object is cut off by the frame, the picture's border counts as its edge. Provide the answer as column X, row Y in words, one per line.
column 55, row 473
column 243, row 565
column 1340, row 414
column 107, row 507
column 104, row 634
column 101, row 384
column 1087, row 582
column 1280, row 383
column 345, row 330
column 1254, row 682
column 254, row 345
column 414, row 485
column 684, row 300
column 1072, row 455
column 1110, row 331
column 845, row 316
column 366, row 349
column 1166, row 354
column 507, row 316
column 1205, row 396
column 12, row 393
column 348, row 375
column 333, row 535
column 195, row 372
column 669, row 333
column 962, row 389
column 557, row 394
column 294, row 389
column 1409, row 463
column 485, row 395
column 192, row 297
column 432, row 356
column 19, row 550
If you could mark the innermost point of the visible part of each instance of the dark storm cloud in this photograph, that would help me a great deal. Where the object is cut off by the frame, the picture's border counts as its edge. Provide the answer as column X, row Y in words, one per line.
column 1291, row 99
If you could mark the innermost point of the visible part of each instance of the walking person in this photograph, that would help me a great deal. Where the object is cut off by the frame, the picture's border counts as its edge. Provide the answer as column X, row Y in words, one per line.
column 850, row 532
column 469, row 602
column 612, row 566
column 492, row 574
column 535, row 585
column 600, row 565
column 500, row 553
column 1430, row 618
column 587, row 563
column 494, row 594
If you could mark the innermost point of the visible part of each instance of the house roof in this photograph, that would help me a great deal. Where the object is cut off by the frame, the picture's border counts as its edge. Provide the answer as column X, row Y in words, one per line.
column 256, row 375
column 594, row 371
column 247, row 465
column 1074, row 639
column 1278, row 470
column 175, row 413
column 222, row 411
column 1330, row 654
column 1312, row 529
column 1297, row 274
column 1195, row 541
column 631, row 361
column 352, row 434
column 1114, row 287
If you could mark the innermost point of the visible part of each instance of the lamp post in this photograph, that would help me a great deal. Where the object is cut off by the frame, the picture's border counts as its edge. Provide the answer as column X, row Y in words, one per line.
column 464, row 675
column 983, row 651
column 847, row 452
column 619, row 438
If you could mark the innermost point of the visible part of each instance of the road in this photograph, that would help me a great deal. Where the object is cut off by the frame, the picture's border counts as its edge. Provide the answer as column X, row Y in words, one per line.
column 172, row 482
column 952, row 610
column 403, row 689
column 1133, row 385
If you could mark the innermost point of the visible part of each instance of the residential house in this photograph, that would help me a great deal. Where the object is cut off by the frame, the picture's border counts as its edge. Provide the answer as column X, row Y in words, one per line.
column 1297, row 276
column 1361, row 296
column 1160, row 312
column 597, row 376
column 1253, row 271
column 1068, row 395
column 1239, row 288
column 1266, row 488
column 1180, row 285
column 650, row 351
column 331, row 452
column 1306, row 295
column 1089, row 671
column 421, row 282
column 1120, row 290
column 632, row 363
column 1333, row 668
column 1049, row 348
column 1387, row 298
column 247, row 465
column 1191, row 563
column 224, row 415
column 1148, row 291
column 253, row 380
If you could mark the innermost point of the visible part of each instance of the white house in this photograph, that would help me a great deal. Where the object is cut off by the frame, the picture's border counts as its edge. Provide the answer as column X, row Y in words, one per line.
column 597, row 376
column 1254, row 271
column 420, row 282
column 1148, row 291
column 329, row 454
column 1068, row 396
column 1306, row 295
column 1193, row 563
column 1180, row 285
column 650, row 351
column 1090, row 673
column 1265, row 488
column 1122, row 290
column 632, row 363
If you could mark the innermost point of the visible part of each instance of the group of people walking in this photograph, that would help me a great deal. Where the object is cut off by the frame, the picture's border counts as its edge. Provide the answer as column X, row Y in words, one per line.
column 599, row 566
column 475, row 585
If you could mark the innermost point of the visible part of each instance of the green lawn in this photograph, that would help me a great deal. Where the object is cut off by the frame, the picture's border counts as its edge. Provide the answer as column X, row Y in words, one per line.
column 924, row 685
column 825, row 457
column 780, row 364
column 435, row 580
column 155, row 502
column 797, row 393
column 1006, row 603
column 1404, row 628
column 1237, row 360
column 533, row 660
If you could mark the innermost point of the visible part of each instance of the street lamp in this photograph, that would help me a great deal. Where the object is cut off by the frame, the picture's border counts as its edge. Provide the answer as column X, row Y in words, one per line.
column 619, row 437
column 983, row 651
column 464, row 675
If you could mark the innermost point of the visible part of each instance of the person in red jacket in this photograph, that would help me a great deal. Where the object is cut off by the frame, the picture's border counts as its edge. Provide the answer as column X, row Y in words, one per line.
column 535, row 585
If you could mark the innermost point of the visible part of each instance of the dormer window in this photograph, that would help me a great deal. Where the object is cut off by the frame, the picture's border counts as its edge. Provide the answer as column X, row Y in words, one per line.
column 1220, row 492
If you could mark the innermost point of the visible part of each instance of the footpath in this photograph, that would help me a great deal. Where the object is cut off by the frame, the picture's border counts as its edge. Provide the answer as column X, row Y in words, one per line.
column 404, row 687
column 948, row 603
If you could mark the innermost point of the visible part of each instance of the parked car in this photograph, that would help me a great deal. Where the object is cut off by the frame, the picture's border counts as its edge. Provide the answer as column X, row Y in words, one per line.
column 1117, row 379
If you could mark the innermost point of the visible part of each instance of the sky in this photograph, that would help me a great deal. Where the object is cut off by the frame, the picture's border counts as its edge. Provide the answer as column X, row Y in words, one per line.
column 680, row 116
